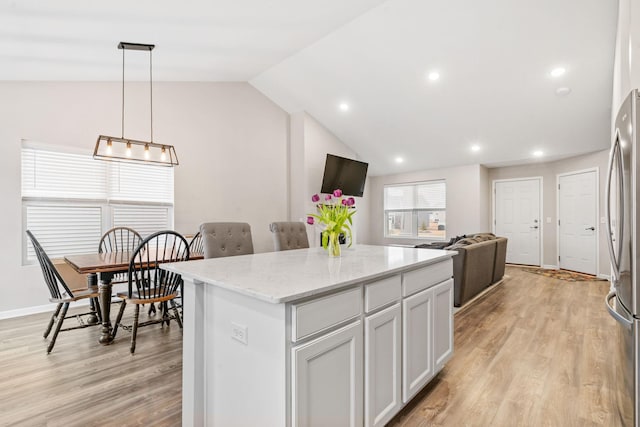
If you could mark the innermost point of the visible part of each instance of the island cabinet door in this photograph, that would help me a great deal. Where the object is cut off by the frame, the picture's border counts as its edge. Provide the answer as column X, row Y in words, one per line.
column 442, row 323
column 417, row 344
column 327, row 380
column 382, row 370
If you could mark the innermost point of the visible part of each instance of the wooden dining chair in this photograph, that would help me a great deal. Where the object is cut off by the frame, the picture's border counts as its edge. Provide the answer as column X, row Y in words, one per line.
column 61, row 295
column 119, row 239
column 148, row 284
column 196, row 246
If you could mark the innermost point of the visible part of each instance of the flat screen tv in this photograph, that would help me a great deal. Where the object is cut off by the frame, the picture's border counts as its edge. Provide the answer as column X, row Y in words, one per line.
column 346, row 174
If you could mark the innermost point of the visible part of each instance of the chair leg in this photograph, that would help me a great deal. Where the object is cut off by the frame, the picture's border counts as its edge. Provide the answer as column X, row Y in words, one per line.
column 119, row 318
column 53, row 318
column 164, row 309
column 96, row 305
column 135, row 329
column 58, row 326
column 175, row 312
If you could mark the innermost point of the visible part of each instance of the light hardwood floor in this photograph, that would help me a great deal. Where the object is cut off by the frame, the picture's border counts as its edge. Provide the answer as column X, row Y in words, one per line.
column 533, row 351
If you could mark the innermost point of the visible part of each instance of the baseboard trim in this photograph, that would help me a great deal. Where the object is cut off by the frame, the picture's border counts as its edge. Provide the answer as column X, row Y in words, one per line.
column 550, row 267
column 604, row 276
column 36, row 309
column 9, row 314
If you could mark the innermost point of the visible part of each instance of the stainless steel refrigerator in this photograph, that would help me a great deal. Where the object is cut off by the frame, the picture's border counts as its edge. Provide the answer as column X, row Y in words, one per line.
column 623, row 302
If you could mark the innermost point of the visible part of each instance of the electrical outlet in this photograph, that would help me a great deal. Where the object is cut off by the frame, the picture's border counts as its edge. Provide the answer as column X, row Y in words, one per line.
column 239, row 333
column 548, row 220
column 603, row 220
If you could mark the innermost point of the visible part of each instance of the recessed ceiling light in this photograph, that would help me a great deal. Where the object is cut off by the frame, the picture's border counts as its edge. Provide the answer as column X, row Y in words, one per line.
column 475, row 148
column 433, row 76
column 538, row 153
column 563, row 91
column 558, row 71
column 399, row 160
column 344, row 106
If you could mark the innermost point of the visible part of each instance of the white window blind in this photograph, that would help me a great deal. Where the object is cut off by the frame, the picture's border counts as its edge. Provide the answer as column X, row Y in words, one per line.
column 428, row 195
column 432, row 195
column 140, row 182
column 145, row 220
column 64, row 230
column 70, row 200
column 49, row 174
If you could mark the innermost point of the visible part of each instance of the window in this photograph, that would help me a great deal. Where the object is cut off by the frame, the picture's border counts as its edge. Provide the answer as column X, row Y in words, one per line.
column 416, row 211
column 70, row 200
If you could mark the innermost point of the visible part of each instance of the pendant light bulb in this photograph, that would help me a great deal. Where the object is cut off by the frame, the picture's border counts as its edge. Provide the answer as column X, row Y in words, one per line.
column 128, row 149
column 163, row 154
column 146, row 151
column 109, row 147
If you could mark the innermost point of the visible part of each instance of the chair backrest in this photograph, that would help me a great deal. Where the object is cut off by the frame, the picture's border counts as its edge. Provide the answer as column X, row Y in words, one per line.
column 221, row 239
column 119, row 239
column 51, row 276
column 196, row 245
column 145, row 275
column 289, row 235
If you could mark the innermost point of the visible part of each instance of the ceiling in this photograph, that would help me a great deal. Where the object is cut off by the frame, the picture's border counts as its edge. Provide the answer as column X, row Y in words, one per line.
column 494, row 59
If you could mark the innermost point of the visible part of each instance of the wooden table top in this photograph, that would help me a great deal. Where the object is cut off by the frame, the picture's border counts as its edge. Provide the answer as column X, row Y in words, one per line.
column 107, row 261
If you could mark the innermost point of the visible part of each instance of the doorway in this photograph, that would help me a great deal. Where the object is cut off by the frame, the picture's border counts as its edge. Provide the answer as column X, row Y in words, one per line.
column 517, row 216
column 578, row 221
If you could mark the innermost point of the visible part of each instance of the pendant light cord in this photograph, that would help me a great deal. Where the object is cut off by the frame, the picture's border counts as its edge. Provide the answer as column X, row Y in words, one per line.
column 123, row 93
column 151, row 92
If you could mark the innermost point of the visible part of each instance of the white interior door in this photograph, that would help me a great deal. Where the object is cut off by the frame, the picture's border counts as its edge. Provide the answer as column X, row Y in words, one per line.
column 578, row 221
column 517, row 217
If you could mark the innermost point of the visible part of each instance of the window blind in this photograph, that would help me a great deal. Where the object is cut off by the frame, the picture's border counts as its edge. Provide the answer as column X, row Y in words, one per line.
column 70, row 200
column 64, row 230
column 425, row 195
column 48, row 174
column 146, row 220
column 140, row 182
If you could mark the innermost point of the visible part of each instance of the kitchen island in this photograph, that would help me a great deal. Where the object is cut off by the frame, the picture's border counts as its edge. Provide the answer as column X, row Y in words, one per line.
column 297, row 338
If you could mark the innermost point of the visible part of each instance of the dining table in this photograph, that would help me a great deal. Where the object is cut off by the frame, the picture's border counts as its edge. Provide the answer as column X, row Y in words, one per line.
column 100, row 269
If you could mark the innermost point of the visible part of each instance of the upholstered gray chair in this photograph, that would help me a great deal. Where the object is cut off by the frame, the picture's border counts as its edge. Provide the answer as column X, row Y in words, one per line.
column 222, row 239
column 289, row 235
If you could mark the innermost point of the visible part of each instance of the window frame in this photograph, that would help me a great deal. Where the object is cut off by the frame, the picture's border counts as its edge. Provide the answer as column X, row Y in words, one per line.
column 415, row 212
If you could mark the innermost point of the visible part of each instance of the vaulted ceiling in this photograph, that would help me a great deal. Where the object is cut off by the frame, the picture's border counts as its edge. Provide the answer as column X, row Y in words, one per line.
column 360, row 67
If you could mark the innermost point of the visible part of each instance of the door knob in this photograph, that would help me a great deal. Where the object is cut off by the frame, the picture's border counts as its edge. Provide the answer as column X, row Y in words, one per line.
column 591, row 228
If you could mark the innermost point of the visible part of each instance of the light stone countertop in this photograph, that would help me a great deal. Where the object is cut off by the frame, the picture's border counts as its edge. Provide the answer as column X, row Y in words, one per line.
column 279, row 277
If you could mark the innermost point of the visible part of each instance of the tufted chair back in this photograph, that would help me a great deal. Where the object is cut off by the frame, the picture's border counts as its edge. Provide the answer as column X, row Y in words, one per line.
column 223, row 239
column 289, row 235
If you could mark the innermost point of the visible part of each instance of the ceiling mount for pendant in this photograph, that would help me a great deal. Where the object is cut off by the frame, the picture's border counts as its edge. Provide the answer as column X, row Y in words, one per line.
column 123, row 149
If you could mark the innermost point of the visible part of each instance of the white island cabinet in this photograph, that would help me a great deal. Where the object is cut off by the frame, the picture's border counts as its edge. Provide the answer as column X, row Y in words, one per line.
column 296, row 338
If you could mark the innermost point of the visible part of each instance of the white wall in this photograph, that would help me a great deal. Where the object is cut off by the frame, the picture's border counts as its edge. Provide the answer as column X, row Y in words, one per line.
column 549, row 172
column 467, row 208
column 310, row 143
column 230, row 139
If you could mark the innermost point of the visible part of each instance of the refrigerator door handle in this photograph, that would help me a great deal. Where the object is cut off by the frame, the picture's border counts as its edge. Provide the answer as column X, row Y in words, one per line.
column 612, row 255
column 619, row 318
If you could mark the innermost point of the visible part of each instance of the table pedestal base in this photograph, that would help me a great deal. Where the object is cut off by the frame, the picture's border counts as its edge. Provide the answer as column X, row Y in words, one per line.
column 104, row 292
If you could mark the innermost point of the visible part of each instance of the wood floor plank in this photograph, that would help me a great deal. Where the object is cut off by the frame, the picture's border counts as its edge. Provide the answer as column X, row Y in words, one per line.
column 533, row 351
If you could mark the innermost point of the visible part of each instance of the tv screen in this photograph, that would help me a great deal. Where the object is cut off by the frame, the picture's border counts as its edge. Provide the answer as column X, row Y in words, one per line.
column 346, row 174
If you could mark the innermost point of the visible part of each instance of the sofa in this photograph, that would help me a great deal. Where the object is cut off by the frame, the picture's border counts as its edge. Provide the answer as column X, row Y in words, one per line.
column 479, row 263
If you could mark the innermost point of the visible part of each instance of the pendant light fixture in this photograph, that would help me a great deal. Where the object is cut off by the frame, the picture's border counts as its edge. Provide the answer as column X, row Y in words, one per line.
column 123, row 149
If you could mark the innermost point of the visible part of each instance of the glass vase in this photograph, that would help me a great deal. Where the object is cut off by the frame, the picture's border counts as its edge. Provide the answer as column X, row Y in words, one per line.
column 334, row 244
